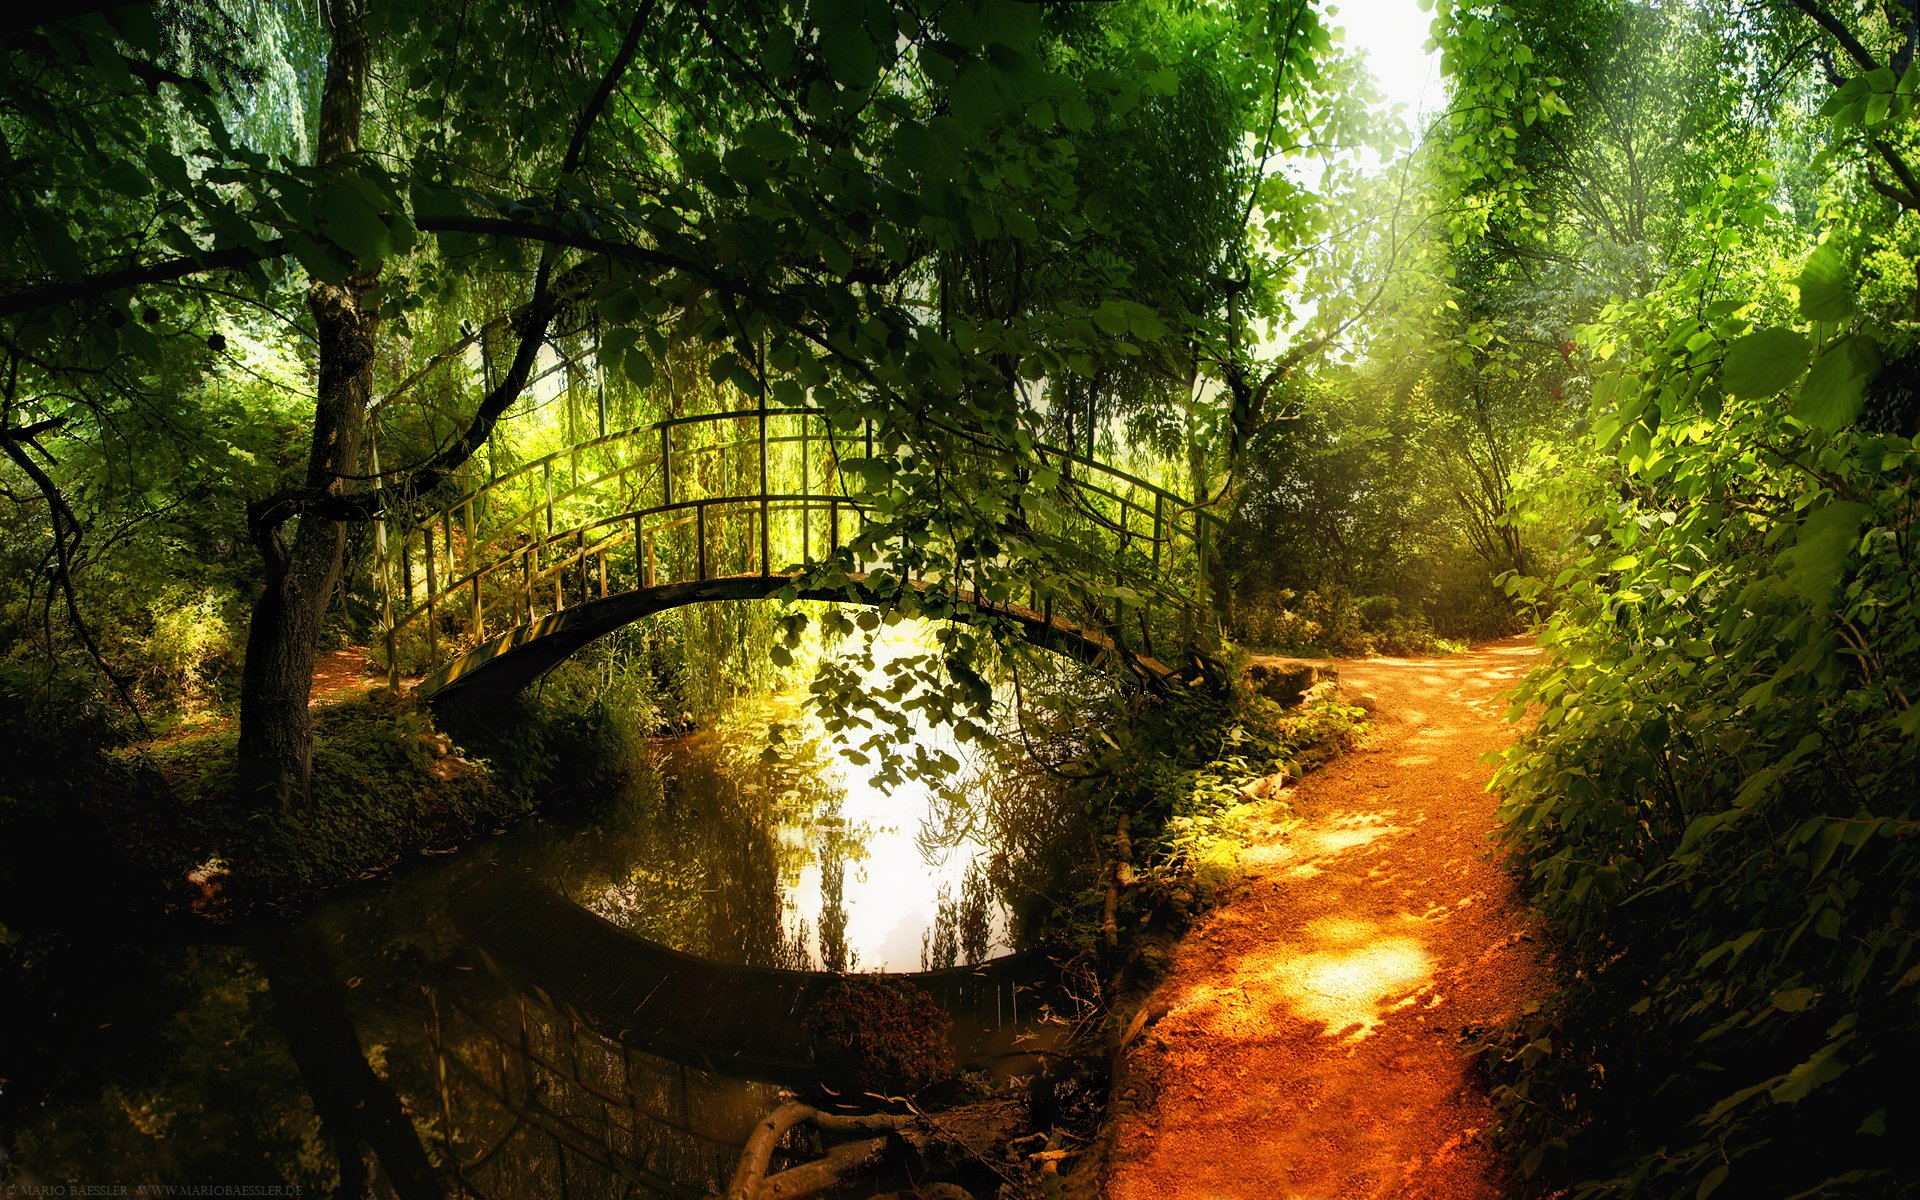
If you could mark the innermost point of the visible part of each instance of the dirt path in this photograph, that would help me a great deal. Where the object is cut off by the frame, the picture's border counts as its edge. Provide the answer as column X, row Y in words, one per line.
column 1310, row 1047
column 338, row 672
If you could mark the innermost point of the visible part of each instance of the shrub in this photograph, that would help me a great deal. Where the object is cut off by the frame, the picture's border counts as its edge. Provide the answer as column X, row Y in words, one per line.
column 1719, row 807
column 1335, row 622
column 880, row 1036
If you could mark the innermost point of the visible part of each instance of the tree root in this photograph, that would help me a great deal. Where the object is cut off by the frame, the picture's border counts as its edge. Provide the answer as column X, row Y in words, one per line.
column 973, row 1133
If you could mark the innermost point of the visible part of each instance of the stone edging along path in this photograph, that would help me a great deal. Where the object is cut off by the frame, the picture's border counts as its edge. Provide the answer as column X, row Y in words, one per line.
column 1307, row 1043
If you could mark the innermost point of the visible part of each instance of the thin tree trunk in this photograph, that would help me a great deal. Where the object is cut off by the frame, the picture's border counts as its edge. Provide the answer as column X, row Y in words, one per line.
column 276, row 735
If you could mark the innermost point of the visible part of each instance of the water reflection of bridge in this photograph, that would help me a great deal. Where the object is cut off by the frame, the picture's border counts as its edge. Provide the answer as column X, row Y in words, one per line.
column 736, row 504
column 534, row 1102
column 589, row 1061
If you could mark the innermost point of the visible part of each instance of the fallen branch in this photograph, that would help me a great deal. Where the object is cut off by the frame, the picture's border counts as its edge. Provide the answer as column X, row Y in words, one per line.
column 750, row 1180
column 975, row 1132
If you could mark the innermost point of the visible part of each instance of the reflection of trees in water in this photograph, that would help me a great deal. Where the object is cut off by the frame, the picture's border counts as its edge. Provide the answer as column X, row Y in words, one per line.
column 529, row 1103
column 833, row 888
column 1036, row 847
column 703, row 852
column 694, row 855
column 185, row 1075
column 1032, row 836
column 962, row 929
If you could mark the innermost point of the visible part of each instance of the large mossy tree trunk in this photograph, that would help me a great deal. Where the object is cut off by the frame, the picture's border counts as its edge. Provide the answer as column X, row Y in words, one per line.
column 303, row 568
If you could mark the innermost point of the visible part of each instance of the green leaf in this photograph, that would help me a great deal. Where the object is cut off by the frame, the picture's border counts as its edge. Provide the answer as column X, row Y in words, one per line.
column 344, row 216
column 1826, row 287
column 621, row 307
column 321, row 260
column 1821, row 1068
column 1835, row 389
column 1712, row 1182
column 848, row 52
column 1829, row 841
column 1111, row 318
column 1764, row 363
column 638, row 365
column 1794, row 999
column 1825, row 542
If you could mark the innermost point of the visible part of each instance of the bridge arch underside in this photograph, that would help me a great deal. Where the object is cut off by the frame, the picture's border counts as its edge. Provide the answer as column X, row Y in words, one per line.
column 498, row 668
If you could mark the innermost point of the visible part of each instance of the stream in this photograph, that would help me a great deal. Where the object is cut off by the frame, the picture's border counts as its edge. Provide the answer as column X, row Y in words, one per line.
column 208, row 1062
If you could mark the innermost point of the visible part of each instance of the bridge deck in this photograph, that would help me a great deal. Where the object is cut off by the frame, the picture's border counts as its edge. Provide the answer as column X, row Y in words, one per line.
column 732, row 1020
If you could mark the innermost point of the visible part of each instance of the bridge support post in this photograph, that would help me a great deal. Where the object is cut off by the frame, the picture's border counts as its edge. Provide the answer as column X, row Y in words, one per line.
column 1159, row 536
column 526, row 578
column 666, row 466
column 700, row 538
column 766, row 506
column 433, row 597
column 385, row 569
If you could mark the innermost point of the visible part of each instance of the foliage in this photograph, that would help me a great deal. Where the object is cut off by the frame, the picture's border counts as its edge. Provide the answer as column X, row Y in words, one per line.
column 1716, row 802
column 387, row 784
column 1174, row 766
column 946, row 225
column 381, row 791
column 1198, row 845
column 59, row 772
column 180, row 1104
column 881, row 1037
column 1336, row 623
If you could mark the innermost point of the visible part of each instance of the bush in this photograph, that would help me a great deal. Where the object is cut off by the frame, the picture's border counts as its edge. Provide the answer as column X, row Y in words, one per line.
column 386, row 784
column 1719, row 808
column 1335, row 622
column 58, row 800
column 880, row 1036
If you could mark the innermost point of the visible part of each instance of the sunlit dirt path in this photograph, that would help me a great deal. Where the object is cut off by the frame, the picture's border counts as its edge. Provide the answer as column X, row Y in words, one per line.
column 1310, row 1043
column 337, row 672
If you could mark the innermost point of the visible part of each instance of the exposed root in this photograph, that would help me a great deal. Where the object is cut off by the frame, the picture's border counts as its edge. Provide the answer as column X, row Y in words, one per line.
column 975, row 1134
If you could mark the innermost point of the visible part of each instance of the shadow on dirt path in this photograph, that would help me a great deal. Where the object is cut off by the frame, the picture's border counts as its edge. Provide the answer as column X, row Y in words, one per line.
column 1310, row 1047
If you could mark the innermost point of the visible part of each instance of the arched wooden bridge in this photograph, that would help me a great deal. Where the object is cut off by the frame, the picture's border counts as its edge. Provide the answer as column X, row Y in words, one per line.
column 495, row 587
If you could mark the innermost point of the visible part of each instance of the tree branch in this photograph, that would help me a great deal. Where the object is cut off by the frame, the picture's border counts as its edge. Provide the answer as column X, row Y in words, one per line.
column 51, row 295
column 1840, row 33
column 1901, row 170
column 61, row 514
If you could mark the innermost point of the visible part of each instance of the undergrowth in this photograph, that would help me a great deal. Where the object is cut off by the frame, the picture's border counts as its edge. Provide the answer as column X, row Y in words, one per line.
column 1718, row 807
column 1334, row 622
column 1182, row 767
column 388, row 784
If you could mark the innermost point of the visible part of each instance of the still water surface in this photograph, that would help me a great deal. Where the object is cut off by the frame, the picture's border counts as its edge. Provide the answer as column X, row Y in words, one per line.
column 178, row 1066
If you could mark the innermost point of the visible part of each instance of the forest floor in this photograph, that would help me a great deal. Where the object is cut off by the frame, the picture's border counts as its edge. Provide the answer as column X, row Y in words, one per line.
column 1309, row 1042
column 338, row 672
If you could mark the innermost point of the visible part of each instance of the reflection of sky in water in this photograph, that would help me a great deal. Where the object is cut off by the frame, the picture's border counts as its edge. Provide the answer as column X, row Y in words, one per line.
column 852, row 874
column 891, row 889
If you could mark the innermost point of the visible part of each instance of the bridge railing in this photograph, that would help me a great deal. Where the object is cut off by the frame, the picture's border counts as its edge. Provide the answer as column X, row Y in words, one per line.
column 527, row 1089
column 756, row 491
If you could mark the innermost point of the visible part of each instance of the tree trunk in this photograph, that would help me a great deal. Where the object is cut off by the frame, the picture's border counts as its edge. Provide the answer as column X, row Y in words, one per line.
column 276, row 735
